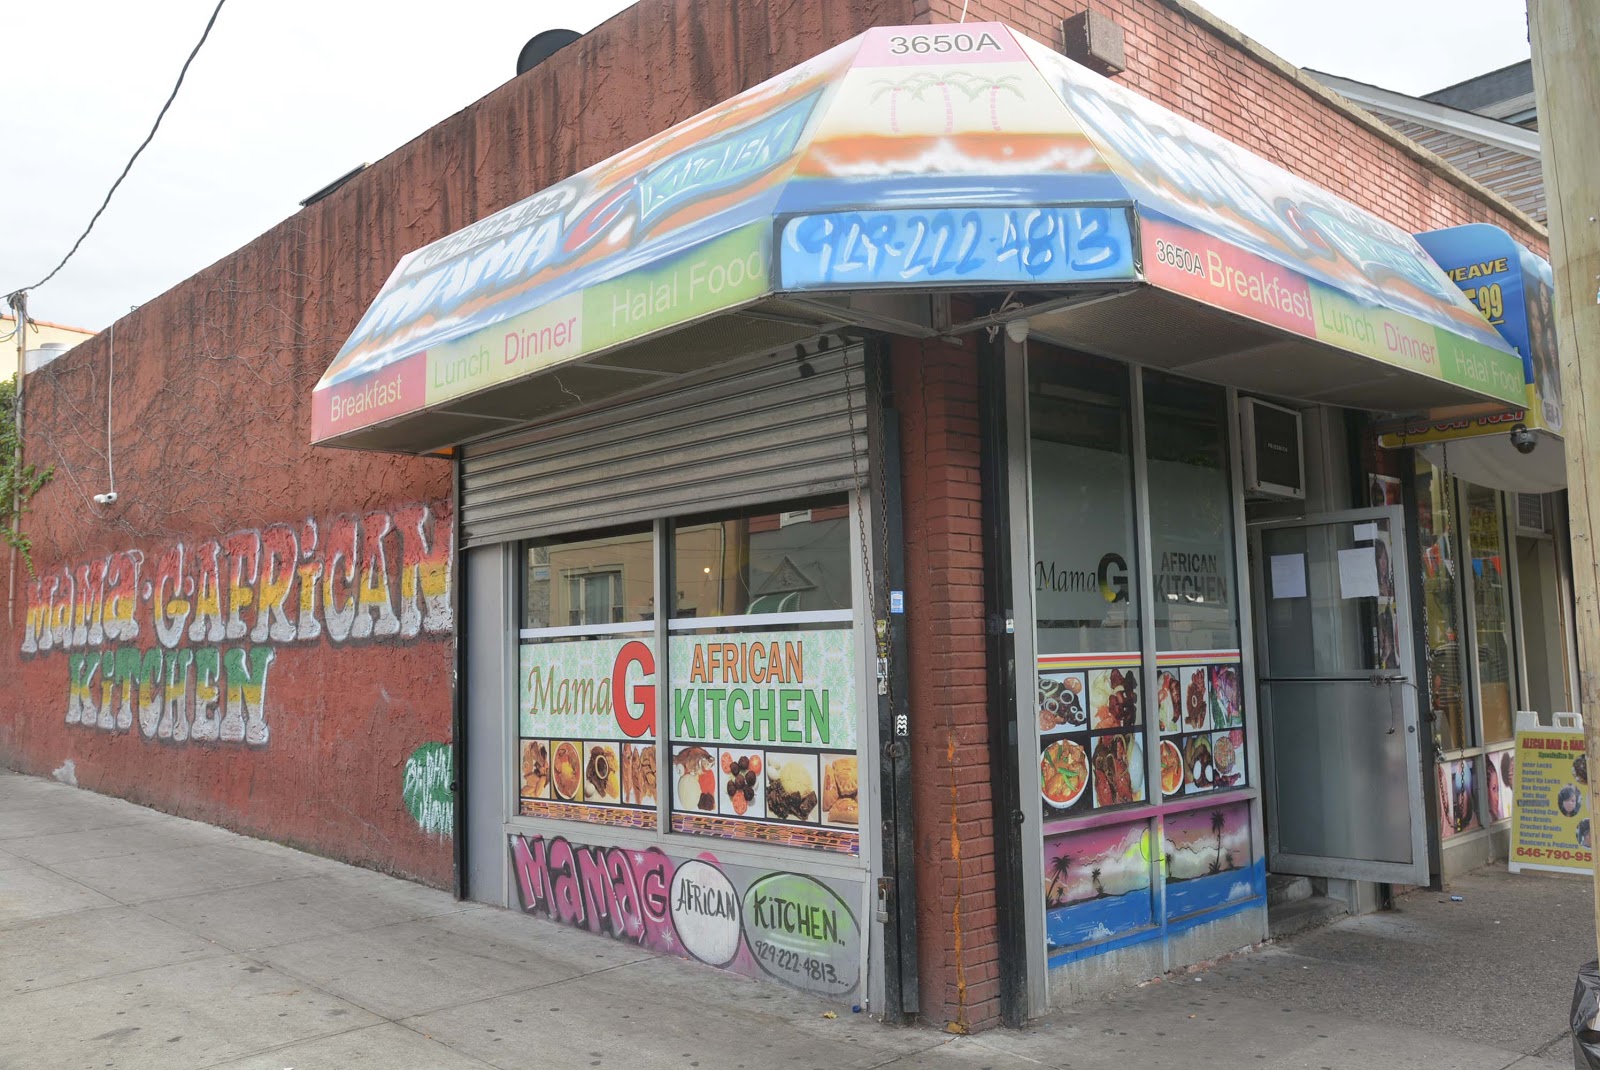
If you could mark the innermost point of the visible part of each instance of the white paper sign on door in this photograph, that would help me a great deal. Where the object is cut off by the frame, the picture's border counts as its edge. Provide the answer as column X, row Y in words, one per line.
column 1358, row 573
column 1288, row 575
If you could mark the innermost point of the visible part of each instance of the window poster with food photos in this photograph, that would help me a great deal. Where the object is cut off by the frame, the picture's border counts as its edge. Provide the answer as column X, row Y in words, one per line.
column 763, row 738
column 1091, row 734
column 1200, row 719
column 588, row 730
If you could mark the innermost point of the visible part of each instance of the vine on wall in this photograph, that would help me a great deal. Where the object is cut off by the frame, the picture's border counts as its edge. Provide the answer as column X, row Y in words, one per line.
column 17, row 485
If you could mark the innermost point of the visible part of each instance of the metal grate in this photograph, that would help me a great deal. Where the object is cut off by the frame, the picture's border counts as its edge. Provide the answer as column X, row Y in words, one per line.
column 759, row 431
column 1531, row 516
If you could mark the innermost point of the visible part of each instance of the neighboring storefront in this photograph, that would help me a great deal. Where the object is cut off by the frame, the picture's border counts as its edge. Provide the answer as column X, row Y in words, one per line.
column 1492, row 561
column 666, row 383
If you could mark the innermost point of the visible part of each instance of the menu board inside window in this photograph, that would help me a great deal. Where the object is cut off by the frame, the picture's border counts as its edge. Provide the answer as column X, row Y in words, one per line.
column 1091, row 743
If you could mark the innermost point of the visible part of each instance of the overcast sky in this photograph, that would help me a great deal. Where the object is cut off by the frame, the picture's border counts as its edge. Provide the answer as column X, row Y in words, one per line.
column 288, row 95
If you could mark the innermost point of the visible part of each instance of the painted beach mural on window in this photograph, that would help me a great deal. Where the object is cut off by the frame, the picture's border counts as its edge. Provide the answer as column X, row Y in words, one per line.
column 1209, row 863
column 1097, row 885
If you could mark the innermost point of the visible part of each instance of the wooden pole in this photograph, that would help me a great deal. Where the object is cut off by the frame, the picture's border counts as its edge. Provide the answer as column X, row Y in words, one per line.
column 1566, row 78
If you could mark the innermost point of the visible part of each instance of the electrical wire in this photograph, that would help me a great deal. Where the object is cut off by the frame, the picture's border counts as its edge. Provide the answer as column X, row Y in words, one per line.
column 142, row 145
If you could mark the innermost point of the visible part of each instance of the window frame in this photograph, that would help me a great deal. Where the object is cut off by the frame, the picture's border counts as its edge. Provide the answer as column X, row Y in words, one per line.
column 660, row 835
column 1154, row 810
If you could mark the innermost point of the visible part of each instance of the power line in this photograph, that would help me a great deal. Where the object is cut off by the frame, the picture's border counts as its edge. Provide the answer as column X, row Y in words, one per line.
column 142, row 145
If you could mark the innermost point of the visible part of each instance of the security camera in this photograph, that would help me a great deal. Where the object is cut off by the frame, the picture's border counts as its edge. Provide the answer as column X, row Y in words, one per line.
column 1017, row 330
column 105, row 499
column 1523, row 440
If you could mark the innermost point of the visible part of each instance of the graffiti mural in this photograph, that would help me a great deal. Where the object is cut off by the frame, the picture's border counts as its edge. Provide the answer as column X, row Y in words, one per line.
column 793, row 927
column 182, row 642
column 427, row 790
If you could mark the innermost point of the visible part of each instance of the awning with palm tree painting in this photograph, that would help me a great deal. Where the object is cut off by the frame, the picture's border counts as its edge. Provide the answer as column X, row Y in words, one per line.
column 905, row 162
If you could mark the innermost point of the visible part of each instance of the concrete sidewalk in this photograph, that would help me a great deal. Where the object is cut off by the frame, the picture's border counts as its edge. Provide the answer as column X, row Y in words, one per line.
column 132, row 939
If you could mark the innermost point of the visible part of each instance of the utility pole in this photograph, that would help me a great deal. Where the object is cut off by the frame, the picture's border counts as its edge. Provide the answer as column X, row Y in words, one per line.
column 1566, row 76
column 19, row 306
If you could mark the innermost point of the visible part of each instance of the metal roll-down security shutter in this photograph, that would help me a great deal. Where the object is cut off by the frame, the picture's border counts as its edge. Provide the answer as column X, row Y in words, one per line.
column 763, row 431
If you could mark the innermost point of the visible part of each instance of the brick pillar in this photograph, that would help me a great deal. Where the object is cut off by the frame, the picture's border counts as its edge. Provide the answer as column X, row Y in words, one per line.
column 936, row 392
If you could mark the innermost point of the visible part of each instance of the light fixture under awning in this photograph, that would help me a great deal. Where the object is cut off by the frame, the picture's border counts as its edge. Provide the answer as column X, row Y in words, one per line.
column 906, row 161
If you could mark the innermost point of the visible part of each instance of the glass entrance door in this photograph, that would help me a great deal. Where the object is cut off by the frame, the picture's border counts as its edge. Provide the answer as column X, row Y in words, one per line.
column 1339, row 698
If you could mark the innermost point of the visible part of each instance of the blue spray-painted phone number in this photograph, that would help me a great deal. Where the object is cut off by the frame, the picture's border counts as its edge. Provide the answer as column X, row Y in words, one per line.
column 980, row 245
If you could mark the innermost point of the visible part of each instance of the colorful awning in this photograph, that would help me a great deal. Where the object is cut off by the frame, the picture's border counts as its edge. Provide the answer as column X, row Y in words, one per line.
column 906, row 160
column 1513, row 288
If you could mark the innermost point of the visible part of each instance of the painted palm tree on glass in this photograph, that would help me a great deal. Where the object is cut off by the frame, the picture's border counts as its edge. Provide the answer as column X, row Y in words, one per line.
column 1060, row 870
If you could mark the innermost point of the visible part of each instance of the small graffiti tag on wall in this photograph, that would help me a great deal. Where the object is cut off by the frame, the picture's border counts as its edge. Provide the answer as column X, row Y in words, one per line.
column 791, row 926
column 185, row 648
column 427, row 789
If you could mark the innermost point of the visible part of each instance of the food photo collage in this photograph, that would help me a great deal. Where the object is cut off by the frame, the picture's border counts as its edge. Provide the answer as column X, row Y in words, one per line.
column 599, row 781
column 1091, row 746
column 793, row 787
column 1200, row 715
column 1091, row 736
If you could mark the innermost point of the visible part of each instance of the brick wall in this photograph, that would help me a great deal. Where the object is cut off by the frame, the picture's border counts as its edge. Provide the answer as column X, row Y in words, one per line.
column 1177, row 62
column 936, row 392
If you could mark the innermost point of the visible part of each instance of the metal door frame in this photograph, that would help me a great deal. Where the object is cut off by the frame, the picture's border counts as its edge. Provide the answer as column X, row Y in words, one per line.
column 1417, row 870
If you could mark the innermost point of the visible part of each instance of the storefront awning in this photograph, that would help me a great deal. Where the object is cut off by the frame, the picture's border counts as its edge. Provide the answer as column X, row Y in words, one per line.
column 1513, row 288
column 905, row 162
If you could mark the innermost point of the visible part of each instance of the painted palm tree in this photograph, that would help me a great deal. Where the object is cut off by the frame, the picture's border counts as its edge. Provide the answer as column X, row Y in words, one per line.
column 1094, row 879
column 893, row 89
column 1060, row 870
column 974, row 85
column 1219, row 821
column 917, row 85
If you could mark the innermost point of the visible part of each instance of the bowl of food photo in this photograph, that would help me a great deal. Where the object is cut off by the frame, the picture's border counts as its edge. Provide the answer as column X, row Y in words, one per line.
column 1063, row 773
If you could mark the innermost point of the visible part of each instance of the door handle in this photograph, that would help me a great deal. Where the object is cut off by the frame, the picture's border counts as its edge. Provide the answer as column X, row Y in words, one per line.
column 1388, row 678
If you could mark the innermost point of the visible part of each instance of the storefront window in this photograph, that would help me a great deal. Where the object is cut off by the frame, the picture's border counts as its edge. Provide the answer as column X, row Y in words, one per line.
column 767, row 560
column 1491, row 616
column 1199, row 697
column 763, row 707
column 586, row 721
column 1085, row 595
column 593, row 579
column 1441, row 608
column 1095, row 653
column 757, row 690
column 1191, row 514
column 1085, row 552
column 1542, row 614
